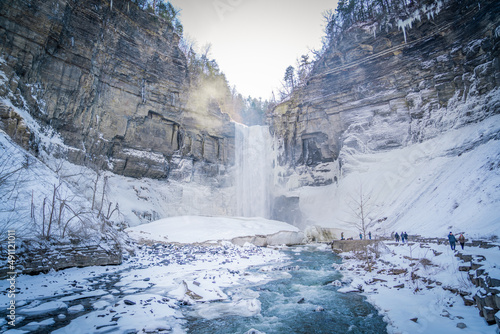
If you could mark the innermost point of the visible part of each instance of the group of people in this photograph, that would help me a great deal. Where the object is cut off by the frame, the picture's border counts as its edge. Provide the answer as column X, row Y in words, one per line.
column 403, row 236
column 369, row 236
column 453, row 240
column 360, row 236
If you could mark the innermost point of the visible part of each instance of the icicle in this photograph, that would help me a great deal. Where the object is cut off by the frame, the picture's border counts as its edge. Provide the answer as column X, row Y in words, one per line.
column 111, row 5
column 143, row 91
column 402, row 25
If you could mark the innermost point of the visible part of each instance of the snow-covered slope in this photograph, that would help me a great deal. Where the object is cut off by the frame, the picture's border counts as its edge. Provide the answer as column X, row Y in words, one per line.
column 448, row 183
column 36, row 201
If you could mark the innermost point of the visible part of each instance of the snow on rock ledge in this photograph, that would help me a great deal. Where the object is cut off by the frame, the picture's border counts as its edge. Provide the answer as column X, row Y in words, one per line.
column 198, row 229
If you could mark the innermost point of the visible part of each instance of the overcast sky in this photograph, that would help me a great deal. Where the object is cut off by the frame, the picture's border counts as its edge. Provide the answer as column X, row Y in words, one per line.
column 254, row 41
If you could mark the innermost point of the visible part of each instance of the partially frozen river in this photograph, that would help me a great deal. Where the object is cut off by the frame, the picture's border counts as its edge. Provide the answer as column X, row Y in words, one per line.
column 302, row 297
column 194, row 289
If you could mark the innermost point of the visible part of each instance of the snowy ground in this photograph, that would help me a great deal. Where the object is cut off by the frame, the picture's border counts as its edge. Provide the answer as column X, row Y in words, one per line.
column 426, row 299
column 143, row 294
column 147, row 291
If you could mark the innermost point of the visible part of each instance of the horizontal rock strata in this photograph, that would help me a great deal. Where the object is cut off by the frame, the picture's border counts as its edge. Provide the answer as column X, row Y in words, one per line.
column 112, row 81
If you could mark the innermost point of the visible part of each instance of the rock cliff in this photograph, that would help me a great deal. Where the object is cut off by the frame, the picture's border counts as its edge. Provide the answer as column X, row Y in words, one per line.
column 112, row 81
column 379, row 88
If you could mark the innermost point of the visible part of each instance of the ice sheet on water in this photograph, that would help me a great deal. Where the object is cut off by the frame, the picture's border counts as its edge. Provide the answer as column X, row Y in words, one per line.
column 82, row 295
column 242, row 308
column 192, row 229
column 150, row 312
column 35, row 326
column 100, row 305
column 43, row 308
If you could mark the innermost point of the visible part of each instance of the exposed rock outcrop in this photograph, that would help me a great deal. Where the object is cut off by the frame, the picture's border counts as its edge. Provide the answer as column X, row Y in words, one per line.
column 33, row 258
column 112, row 81
column 13, row 124
column 288, row 238
column 487, row 299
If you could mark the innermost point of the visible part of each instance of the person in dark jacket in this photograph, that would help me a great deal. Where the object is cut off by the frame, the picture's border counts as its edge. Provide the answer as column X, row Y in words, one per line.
column 452, row 240
column 461, row 240
column 396, row 236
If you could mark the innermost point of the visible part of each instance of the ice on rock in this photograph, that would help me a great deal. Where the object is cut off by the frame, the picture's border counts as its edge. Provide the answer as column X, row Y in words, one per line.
column 254, row 331
column 203, row 291
column 242, row 308
column 336, row 283
column 76, row 309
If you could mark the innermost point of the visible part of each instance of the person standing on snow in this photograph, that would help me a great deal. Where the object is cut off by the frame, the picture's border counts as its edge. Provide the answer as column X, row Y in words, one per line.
column 396, row 236
column 452, row 240
column 461, row 240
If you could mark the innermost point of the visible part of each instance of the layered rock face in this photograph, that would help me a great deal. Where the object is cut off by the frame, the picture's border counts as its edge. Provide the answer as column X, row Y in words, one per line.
column 381, row 88
column 112, row 81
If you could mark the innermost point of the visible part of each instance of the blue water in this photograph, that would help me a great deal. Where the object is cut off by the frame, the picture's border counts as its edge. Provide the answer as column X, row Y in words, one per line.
column 302, row 300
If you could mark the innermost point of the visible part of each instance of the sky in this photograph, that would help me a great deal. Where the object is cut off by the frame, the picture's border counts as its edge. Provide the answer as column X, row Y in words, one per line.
column 254, row 41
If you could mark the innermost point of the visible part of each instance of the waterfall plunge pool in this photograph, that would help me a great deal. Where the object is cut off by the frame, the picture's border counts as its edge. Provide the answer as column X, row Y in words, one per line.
column 300, row 298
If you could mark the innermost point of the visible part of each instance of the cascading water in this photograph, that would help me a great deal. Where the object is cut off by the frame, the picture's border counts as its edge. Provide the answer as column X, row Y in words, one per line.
column 253, row 171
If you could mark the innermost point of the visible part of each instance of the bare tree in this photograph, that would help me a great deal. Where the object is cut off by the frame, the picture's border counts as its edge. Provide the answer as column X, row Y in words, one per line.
column 361, row 206
column 12, row 177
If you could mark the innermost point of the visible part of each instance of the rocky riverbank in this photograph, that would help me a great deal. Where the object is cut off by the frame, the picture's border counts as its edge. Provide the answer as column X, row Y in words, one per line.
column 424, row 286
column 35, row 257
column 143, row 294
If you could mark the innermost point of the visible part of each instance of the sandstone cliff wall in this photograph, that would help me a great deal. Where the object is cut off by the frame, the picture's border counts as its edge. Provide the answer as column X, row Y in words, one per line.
column 381, row 88
column 114, row 83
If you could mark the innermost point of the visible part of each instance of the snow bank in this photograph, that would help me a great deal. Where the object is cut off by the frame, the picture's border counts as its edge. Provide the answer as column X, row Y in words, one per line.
column 416, row 281
column 448, row 183
column 198, row 229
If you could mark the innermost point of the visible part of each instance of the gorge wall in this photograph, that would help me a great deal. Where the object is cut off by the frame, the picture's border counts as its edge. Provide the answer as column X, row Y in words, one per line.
column 406, row 107
column 382, row 89
column 112, row 81
column 379, row 88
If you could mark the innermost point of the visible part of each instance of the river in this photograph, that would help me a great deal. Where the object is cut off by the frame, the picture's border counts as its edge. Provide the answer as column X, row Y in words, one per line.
column 300, row 299
column 262, row 290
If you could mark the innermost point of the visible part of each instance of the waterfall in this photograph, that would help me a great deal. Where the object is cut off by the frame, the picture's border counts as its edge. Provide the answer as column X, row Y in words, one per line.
column 253, row 171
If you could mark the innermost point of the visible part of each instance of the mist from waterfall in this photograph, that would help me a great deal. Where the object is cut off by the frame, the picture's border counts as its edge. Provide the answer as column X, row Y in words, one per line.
column 253, row 164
